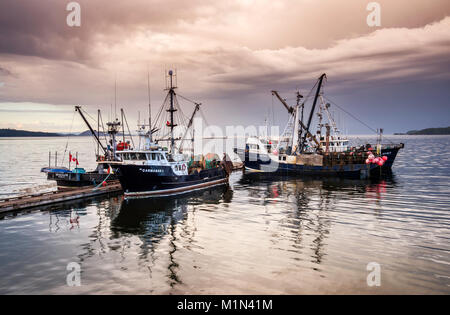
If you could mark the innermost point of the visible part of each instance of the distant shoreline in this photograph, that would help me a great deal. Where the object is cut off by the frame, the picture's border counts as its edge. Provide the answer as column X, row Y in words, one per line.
column 425, row 132
column 14, row 133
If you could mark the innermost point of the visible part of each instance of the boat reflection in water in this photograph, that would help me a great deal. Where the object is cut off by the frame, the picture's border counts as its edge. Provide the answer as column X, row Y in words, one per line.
column 277, row 230
column 259, row 237
column 312, row 206
column 154, row 219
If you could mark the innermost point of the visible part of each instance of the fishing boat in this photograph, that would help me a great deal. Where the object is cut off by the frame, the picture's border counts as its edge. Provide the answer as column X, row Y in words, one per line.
column 299, row 152
column 154, row 170
column 107, row 158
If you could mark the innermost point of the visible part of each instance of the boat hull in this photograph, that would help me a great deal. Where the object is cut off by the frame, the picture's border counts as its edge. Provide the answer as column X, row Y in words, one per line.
column 391, row 152
column 160, row 181
column 73, row 180
column 261, row 163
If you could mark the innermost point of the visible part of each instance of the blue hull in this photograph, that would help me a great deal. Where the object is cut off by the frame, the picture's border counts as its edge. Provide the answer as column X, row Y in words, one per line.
column 148, row 180
column 261, row 163
column 391, row 153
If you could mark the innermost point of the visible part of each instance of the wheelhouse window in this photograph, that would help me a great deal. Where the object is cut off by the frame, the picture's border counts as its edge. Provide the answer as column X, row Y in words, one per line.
column 134, row 156
column 154, row 156
column 141, row 156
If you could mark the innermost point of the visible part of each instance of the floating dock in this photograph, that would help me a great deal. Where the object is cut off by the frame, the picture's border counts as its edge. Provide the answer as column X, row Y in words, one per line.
column 36, row 200
column 31, row 201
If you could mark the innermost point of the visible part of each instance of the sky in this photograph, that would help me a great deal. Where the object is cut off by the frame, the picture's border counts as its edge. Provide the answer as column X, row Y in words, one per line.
column 228, row 55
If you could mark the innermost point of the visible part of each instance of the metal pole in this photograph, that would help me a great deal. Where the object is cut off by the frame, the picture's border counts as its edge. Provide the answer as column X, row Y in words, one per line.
column 312, row 110
column 149, row 108
column 172, row 142
column 123, row 126
column 98, row 132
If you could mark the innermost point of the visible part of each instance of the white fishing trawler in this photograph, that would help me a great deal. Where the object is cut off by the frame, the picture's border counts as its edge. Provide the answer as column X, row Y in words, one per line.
column 156, row 170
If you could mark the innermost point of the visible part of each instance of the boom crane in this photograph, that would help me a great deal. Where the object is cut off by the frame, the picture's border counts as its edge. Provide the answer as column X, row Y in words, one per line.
column 78, row 109
column 196, row 109
column 302, row 145
column 291, row 110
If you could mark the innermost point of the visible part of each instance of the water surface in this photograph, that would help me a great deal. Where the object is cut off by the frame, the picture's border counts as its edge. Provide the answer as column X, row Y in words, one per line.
column 255, row 237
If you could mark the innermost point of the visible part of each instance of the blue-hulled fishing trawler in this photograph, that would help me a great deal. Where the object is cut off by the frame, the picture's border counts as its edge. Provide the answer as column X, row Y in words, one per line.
column 299, row 152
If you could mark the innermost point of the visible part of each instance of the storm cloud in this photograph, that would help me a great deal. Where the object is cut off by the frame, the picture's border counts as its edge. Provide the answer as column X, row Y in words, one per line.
column 226, row 52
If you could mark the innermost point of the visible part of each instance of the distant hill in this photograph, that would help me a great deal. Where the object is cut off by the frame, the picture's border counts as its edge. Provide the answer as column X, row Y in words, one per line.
column 102, row 134
column 88, row 133
column 430, row 131
column 24, row 133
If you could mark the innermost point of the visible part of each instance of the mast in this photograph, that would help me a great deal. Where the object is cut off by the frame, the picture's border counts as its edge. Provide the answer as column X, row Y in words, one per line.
column 123, row 126
column 319, row 86
column 300, row 129
column 115, row 97
column 98, row 131
column 171, row 110
column 149, row 108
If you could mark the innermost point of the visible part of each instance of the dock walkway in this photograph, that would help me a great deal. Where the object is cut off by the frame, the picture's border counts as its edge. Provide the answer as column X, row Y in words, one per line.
column 35, row 200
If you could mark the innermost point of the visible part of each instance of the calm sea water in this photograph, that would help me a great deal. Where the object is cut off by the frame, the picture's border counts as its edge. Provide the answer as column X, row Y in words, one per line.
column 254, row 237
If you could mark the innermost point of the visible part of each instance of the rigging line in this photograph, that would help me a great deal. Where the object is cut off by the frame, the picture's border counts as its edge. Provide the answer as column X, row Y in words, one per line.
column 178, row 107
column 185, row 98
column 374, row 130
column 89, row 115
column 68, row 137
column 161, row 109
column 310, row 93
column 271, row 111
column 129, row 132
column 351, row 115
column 103, row 128
column 204, row 116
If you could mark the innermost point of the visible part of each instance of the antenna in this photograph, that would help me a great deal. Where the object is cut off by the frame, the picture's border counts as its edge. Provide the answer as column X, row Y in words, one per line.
column 115, row 96
column 149, row 106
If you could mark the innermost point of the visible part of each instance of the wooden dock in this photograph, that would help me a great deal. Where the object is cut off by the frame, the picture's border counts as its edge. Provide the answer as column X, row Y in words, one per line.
column 36, row 200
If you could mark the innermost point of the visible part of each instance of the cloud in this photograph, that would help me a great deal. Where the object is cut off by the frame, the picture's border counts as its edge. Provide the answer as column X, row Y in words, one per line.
column 38, row 28
column 225, row 52
column 212, row 68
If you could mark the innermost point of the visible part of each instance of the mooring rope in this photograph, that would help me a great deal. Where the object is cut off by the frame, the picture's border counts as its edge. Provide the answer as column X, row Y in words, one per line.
column 104, row 181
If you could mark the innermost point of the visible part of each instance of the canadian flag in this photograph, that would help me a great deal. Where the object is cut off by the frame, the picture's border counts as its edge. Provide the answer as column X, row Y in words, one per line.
column 72, row 159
